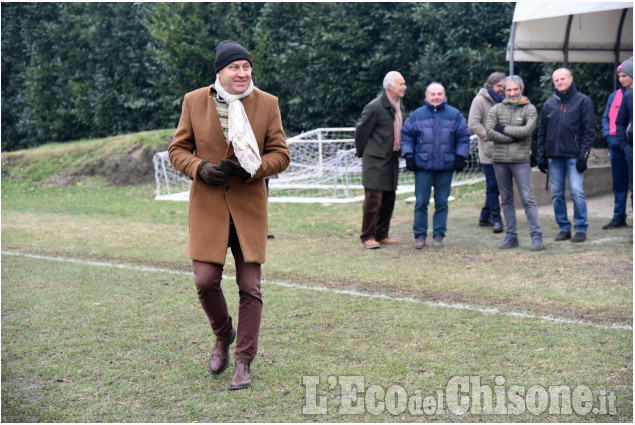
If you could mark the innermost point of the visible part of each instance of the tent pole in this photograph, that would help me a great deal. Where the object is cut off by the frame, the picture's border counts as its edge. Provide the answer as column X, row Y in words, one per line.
column 510, row 47
column 618, row 45
column 566, row 41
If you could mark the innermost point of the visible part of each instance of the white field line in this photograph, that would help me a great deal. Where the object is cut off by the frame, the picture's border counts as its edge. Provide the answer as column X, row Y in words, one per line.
column 431, row 304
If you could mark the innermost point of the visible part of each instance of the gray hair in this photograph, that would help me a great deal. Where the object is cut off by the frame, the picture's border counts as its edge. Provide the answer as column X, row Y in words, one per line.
column 493, row 78
column 390, row 78
column 435, row 84
column 514, row 79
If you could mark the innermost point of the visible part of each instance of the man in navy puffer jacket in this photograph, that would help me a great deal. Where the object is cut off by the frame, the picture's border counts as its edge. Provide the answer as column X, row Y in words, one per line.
column 435, row 141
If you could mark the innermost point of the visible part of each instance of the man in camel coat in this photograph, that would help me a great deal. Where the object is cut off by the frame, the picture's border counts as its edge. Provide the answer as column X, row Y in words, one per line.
column 229, row 139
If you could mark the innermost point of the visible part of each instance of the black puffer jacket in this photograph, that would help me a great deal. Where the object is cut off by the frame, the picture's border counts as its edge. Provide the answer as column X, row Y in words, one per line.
column 567, row 126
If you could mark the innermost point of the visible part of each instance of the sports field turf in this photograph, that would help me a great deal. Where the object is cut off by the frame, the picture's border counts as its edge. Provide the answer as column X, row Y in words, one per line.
column 100, row 320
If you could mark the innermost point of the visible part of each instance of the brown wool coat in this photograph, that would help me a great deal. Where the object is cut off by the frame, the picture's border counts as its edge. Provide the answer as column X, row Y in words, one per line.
column 199, row 137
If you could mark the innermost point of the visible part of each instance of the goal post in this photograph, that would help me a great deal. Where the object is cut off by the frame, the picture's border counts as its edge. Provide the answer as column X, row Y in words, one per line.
column 323, row 169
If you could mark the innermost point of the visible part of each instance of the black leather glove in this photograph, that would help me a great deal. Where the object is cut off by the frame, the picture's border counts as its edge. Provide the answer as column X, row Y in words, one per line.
column 500, row 128
column 234, row 169
column 211, row 174
column 580, row 165
column 459, row 163
column 542, row 165
column 410, row 164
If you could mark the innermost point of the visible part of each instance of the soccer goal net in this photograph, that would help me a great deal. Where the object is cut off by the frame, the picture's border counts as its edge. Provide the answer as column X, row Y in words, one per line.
column 323, row 169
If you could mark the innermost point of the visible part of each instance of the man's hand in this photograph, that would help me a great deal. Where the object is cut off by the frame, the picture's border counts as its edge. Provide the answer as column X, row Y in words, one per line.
column 542, row 165
column 410, row 164
column 234, row 169
column 211, row 174
column 459, row 163
column 580, row 165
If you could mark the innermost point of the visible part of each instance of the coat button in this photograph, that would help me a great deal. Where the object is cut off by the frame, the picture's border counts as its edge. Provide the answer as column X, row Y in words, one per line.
column 227, row 188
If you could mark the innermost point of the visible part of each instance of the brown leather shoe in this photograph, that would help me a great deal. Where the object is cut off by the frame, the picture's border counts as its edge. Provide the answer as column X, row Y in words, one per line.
column 371, row 244
column 242, row 376
column 219, row 359
column 387, row 241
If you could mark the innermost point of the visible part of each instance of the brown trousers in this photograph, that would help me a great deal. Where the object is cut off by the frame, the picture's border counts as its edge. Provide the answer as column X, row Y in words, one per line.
column 376, row 214
column 207, row 277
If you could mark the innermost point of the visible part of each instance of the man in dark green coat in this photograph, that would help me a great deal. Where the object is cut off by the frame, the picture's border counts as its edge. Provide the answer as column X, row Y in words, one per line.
column 378, row 143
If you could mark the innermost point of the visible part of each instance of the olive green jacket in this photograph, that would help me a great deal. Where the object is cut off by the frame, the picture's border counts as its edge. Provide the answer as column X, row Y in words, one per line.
column 374, row 138
column 519, row 121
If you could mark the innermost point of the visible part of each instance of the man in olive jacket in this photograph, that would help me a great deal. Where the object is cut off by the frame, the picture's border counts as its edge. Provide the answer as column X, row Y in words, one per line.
column 378, row 143
column 510, row 125
column 229, row 139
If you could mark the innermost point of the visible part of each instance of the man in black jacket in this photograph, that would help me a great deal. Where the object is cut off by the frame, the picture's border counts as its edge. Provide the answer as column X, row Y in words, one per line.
column 565, row 137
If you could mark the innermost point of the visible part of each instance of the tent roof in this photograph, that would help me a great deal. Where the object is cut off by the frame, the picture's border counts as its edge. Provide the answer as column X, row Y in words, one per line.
column 571, row 32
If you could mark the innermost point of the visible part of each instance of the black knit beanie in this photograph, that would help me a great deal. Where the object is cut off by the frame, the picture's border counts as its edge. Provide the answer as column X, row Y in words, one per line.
column 229, row 51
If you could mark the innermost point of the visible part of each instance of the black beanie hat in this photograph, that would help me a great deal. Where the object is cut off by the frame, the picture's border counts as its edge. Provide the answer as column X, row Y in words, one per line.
column 229, row 51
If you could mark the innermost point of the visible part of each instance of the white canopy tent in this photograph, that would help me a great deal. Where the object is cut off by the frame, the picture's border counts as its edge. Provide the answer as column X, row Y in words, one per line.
column 567, row 32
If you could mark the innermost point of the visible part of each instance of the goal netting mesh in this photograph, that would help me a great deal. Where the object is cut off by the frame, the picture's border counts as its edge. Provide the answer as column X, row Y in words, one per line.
column 323, row 169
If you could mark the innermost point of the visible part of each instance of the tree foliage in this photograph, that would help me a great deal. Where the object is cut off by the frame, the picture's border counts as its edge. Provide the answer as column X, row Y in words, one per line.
column 77, row 70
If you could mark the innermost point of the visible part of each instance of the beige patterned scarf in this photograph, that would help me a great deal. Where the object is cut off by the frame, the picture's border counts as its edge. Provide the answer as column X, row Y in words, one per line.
column 398, row 123
column 239, row 130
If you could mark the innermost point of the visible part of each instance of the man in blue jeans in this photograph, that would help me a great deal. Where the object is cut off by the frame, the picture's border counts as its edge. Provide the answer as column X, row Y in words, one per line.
column 435, row 141
column 624, row 124
column 491, row 94
column 565, row 137
column 619, row 164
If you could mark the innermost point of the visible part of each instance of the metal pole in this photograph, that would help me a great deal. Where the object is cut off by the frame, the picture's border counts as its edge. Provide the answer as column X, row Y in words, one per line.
column 618, row 45
column 320, row 158
column 510, row 47
column 566, row 41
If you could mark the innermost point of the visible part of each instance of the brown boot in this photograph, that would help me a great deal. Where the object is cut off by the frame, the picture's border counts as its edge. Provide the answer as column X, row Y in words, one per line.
column 242, row 376
column 387, row 241
column 219, row 359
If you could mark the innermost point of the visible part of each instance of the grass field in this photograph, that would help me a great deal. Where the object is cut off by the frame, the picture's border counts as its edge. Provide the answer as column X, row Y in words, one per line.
column 100, row 320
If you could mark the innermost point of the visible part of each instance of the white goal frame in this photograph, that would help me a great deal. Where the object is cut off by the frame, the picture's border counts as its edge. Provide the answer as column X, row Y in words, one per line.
column 323, row 169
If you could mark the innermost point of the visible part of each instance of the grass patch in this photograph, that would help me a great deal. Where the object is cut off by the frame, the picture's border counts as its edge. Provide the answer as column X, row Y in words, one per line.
column 55, row 159
column 85, row 343
column 92, row 344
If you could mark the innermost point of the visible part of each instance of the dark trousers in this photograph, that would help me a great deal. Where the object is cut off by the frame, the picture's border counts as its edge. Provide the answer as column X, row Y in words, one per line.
column 376, row 214
column 628, row 150
column 492, row 208
column 619, row 169
column 207, row 277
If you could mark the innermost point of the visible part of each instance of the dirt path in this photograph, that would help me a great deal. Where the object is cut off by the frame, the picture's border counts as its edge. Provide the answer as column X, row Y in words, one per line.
column 598, row 206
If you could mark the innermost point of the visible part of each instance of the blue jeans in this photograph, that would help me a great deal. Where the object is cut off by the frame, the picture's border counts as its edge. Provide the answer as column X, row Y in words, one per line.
column 628, row 151
column 619, row 169
column 424, row 182
column 492, row 208
column 506, row 173
column 559, row 169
